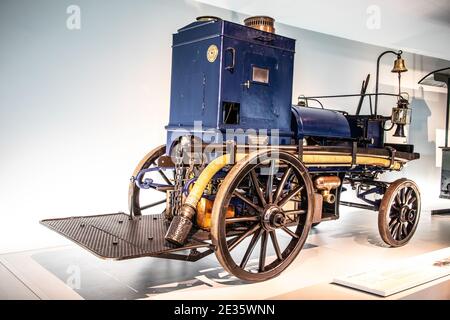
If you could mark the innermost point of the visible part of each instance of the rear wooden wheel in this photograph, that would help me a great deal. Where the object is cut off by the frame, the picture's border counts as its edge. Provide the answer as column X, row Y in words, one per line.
column 140, row 200
column 273, row 192
column 399, row 212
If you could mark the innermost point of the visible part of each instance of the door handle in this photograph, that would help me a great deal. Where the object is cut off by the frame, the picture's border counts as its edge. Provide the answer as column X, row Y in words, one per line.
column 233, row 58
column 246, row 84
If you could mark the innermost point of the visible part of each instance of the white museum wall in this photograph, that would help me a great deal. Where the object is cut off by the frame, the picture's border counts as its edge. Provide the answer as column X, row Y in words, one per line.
column 418, row 26
column 79, row 109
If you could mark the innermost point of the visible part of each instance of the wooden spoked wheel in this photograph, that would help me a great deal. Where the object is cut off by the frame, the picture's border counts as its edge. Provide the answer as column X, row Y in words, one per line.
column 273, row 195
column 153, row 198
column 399, row 212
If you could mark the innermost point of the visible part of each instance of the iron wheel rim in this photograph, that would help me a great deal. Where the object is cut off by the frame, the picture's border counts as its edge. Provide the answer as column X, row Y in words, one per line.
column 399, row 212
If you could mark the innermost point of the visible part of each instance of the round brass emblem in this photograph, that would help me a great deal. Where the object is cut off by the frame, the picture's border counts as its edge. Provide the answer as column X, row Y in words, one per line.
column 212, row 53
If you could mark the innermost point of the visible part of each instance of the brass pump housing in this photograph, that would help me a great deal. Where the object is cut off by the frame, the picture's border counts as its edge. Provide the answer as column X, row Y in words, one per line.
column 325, row 184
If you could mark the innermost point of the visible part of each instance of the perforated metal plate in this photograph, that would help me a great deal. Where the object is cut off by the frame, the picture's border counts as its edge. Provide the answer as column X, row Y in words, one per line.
column 115, row 236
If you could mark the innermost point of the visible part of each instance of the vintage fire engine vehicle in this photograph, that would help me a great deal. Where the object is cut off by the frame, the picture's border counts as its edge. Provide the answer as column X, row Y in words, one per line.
column 244, row 173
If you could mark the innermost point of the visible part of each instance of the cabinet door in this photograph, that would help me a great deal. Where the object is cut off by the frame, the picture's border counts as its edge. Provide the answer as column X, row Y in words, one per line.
column 259, row 76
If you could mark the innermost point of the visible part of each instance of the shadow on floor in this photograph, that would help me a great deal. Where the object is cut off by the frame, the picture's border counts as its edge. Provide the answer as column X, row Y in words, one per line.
column 96, row 279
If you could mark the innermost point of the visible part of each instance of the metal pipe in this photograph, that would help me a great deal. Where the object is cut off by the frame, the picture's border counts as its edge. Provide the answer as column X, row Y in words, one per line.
column 353, row 95
column 358, row 205
column 447, row 113
column 363, row 91
column 378, row 75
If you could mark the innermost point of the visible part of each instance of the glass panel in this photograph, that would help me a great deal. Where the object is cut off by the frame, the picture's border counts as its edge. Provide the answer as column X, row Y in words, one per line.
column 260, row 75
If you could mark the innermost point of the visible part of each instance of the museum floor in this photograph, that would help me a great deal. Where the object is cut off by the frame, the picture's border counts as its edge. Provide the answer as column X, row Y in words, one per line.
column 336, row 248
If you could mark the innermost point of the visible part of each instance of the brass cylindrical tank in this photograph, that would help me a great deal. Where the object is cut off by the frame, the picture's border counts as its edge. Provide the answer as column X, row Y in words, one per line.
column 262, row 23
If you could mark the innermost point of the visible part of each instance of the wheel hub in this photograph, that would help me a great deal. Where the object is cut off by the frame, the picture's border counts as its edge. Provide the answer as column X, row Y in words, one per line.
column 273, row 218
column 411, row 216
column 406, row 214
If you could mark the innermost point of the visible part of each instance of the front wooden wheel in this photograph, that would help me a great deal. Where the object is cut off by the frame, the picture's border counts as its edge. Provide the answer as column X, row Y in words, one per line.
column 273, row 196
column 399, row 212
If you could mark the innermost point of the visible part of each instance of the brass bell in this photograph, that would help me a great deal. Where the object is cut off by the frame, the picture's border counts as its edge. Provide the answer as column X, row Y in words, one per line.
column 399, row 65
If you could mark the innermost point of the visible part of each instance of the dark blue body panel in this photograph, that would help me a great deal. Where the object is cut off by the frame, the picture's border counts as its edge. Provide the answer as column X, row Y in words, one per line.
column 314, row 122
column 364, row 127
column 201, row 88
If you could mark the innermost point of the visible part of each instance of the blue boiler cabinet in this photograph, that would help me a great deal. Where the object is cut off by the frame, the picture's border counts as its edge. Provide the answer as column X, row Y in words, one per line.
column 230, row 76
